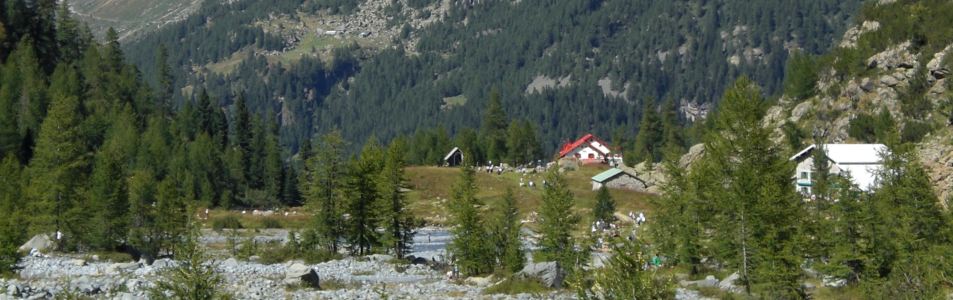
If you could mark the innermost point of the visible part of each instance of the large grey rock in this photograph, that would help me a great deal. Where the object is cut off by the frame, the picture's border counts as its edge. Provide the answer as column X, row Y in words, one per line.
column 728, row 284
column 122, row 267
column 549, row 273
column 709, row 281
column 40, row 242
column 834, row 282
column 301, row 274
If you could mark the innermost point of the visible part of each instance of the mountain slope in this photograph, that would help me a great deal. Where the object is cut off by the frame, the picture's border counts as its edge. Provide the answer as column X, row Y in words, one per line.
column 568, row 66
column 132, row 17
column 890, row 72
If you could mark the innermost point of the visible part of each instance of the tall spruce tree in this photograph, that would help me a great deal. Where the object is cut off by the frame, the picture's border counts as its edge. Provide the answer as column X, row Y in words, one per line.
column 56, row 171
column 108, row 190
column 396, row 220
column 323, row 188
column 493, row 129
column 363, row 196
column 506, row 235
column 556, row 222
column 756, row 212
column 469, row 247
column 648, row 138
column 605, row 206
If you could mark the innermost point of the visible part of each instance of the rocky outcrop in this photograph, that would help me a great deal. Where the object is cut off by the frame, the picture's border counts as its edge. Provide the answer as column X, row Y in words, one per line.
column 40, row 242
column 853, row 34
column 550, row 273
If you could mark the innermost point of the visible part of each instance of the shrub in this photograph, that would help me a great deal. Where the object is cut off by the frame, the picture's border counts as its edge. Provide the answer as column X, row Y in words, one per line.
column 913, row 132
column 226, row 222
column 271, row 222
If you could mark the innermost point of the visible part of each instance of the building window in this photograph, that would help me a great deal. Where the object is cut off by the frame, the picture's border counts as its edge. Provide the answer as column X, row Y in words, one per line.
column 805, row 190
column 805, row 176
column 592, row 156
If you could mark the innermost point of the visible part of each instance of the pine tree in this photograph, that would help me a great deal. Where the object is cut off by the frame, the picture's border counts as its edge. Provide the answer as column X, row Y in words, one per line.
column 108, row 191
column 69, row 39
column 605, row 207
column 273, row 166
column 323, row 188
column 648, row 138
column 624, row 277
column 56, row 171
column 556, row 222
column 363, row 196
column 396, row 220
column 672, row 141
column 113, row 52
column 493, row 129
column 677, row 226
column 506, row 232
column 143, row 231
column 164, row 83
column 756, row 213
column 12, row 232
column 469, row 247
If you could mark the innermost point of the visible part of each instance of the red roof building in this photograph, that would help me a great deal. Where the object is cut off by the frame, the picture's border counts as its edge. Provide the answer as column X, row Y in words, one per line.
column 588, row 149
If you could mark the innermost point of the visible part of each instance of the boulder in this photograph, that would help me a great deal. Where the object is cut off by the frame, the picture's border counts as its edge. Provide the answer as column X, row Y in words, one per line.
column 40, row 242
column 550, row 273
column 479, row 281
column 709, row 281
column 728, row 284
column 834, row 282
column 122, row 267
column 77, row 262
column 301, row 274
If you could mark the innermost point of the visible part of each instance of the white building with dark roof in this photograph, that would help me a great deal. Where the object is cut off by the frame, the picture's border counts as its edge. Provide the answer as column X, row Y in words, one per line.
column 862, row 162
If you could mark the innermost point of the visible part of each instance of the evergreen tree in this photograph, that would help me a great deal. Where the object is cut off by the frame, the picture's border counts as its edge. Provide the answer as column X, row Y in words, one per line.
column 164, row 83
column 673, row 141
column 605, row 207
column 756, row 213
column 323, row 188
column 12, row 232
column 273, row 166
column 624, row 277
column 113, row 52
column 493, row 129
column 363, row 196
column 69, row 37
column 556, row 222
column 108, row 191
column 506, row 232
column 396, row 220
column 56, row 171
column 143, row 231
column 469, row 247
column 677, row 226
column 645, row 148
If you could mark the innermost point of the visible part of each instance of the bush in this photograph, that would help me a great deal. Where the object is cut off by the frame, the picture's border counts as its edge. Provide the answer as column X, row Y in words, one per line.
column 270, row 222
column 913, row 132
column 226, row 222
column 515, row 285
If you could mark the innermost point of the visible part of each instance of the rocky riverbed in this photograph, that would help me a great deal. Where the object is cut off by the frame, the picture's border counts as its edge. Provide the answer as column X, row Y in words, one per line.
column 372, row 277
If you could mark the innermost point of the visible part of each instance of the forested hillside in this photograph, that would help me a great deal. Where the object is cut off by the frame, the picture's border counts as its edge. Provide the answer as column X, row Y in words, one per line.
column 567, row 66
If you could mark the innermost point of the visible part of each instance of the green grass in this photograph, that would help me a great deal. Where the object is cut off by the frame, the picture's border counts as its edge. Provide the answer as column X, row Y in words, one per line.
column 428, row 184
column 513, row 286
column 311, row 46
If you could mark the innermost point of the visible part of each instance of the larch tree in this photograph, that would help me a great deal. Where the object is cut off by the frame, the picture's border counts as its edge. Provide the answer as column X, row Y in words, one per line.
column 506, row 235
column 469, row 247
column 323, row 187
column 396, row 220
column 556, row 222
column 756, row 213
column 363, row 196
column 56, row 171
column 493, row 128
column 605, row 206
